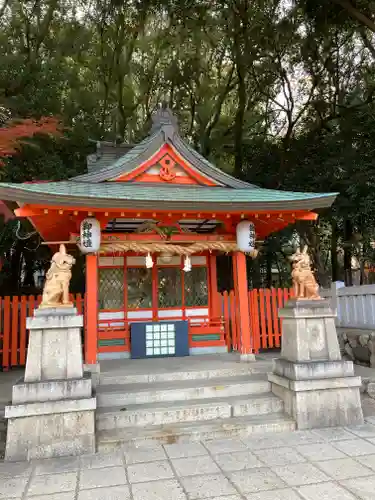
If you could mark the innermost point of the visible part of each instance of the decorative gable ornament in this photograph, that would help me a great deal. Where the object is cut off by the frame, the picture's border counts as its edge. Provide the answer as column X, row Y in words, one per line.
column 245, row 236
column 166, row 171
column 90, row 235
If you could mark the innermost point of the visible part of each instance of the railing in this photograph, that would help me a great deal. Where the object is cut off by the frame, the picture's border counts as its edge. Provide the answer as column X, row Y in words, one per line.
column 355, row 305
column 114, row 334
column 13, row 333
column 203, row 332
column 264, row 322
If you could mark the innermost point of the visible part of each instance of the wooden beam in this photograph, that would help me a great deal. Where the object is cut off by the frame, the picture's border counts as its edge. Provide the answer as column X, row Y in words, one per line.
column 153, row 214
column 28, row 211
column 307, row 216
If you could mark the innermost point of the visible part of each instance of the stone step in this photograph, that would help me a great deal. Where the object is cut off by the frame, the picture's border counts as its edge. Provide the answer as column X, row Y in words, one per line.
column 109, row 440
column 148, row 377
column 186, row 411
column 123, row 395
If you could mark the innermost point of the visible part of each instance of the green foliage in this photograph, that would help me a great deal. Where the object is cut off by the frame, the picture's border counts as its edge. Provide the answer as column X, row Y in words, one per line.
column 45, row 158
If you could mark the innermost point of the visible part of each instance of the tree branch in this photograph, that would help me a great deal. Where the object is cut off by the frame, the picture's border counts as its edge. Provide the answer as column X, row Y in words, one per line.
column 356, row 14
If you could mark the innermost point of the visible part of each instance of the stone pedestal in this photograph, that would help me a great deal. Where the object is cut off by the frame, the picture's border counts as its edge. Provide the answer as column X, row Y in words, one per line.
column 53, row 409
column 318, row 388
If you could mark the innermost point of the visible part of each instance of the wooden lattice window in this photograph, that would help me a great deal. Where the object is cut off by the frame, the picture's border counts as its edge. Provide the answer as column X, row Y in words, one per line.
column 196, row 288
column 139, row 283
column 169, row 287
column 111, row 288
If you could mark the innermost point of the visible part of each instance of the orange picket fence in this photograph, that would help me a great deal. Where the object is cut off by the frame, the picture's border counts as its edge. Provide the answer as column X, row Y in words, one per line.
column 265, row 324
column 13, row 333
column 264, row 321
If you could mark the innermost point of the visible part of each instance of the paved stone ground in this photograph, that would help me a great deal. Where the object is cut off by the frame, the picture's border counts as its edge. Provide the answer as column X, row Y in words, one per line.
column 334, row 464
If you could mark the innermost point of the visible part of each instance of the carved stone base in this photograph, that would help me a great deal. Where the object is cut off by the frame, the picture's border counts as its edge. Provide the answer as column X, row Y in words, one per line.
column 320, row 394
column 53, row 409
column 318, row 388
column 46, row 429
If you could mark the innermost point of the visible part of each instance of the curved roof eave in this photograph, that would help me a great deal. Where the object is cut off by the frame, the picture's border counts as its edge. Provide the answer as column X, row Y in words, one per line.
column 113, row 195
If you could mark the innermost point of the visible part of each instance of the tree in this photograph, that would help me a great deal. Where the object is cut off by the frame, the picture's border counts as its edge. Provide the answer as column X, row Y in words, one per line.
column 334, row 11
column 14, row 132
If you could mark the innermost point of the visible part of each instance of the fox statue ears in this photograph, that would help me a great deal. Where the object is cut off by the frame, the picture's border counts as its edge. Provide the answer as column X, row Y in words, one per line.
column 298, row 252
column 62, row 249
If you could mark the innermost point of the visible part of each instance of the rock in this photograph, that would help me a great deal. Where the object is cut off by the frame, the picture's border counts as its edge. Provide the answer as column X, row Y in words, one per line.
column 349, row 351
column 353, row 342
column 363, row 339
column 341, row 345
column 371, row 389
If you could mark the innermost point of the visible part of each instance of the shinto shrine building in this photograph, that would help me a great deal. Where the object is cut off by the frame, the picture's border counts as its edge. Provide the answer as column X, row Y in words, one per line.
column 165, row 213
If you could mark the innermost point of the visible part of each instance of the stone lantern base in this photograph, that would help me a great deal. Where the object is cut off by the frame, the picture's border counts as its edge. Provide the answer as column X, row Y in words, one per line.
column 318, row 388
column 53, row 409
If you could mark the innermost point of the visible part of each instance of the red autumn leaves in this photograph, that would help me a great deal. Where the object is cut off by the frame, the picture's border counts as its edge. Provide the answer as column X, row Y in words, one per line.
column 12, row 134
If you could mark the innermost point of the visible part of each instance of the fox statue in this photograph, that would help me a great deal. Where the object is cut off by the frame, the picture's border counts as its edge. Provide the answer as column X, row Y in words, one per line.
column 304, row 282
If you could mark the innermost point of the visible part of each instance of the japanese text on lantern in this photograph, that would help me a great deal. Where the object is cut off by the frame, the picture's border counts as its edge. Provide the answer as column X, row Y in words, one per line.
column 87, row 234
column 251, row 235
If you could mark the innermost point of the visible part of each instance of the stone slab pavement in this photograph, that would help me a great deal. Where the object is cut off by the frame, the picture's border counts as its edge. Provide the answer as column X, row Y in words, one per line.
column 334, row 464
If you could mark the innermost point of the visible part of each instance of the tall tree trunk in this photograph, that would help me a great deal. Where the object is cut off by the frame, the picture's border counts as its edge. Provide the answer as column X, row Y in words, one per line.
column 240, row 22
column 29, row 280
column 334, row 261
column 348, row 232
column 256, row 275
column 269, row 262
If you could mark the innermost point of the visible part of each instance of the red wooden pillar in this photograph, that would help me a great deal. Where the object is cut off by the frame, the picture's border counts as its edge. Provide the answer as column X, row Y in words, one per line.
column 215, row 304
column 242, row 301
column 91, row 310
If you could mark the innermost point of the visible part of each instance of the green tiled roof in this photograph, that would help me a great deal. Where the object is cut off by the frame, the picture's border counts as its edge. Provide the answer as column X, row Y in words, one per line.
column 143, row 196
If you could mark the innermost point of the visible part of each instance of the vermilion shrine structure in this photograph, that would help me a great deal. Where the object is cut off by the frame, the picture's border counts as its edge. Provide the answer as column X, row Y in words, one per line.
column 162, row 200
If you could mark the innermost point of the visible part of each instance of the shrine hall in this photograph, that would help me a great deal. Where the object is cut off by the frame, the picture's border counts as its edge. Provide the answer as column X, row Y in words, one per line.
column 151, row 221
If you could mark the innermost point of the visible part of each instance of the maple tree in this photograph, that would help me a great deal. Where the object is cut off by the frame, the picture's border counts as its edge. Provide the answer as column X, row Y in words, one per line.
column 12, row 134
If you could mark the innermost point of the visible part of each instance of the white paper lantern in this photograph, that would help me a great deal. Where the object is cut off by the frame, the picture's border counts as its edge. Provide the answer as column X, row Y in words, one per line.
column 90, row 235
column 245, row 236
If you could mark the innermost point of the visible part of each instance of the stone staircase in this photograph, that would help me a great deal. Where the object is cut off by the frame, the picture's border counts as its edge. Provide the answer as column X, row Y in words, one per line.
column 180, row 405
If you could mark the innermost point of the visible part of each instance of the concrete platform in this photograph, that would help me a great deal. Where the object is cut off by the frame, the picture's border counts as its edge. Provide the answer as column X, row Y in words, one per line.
column 190, row 432
column 169, row 369
column 163, row 413
column 182, row 390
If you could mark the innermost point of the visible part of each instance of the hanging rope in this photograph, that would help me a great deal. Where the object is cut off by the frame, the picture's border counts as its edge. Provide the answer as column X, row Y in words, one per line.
column 27, row 236
column 197, row 247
